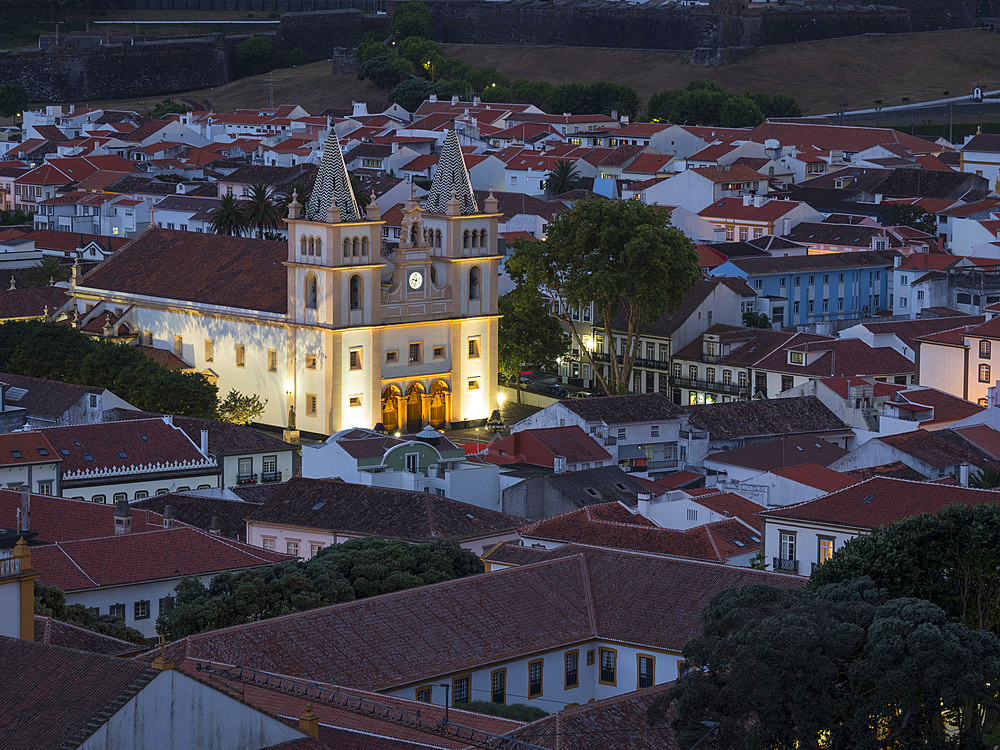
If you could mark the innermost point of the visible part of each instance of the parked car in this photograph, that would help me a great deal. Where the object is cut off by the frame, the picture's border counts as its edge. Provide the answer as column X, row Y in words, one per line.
column 554, row 390
column 582, row 394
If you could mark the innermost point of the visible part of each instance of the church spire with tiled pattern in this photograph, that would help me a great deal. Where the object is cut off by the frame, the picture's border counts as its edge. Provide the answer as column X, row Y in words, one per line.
column 333, row 186
column 451, row 180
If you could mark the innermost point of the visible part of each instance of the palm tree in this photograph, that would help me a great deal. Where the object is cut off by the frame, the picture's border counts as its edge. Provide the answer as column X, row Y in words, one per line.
column 229, row 218
column 49, row 271
column 302, row 196
column 562, row 179
column 260, row 208
column 359, row 194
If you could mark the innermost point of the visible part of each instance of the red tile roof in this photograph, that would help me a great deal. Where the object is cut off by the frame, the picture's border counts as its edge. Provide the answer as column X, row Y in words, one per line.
column 402, row 638
column 613, row 526
column 895, row 470
column 983, row 437
column 728, row 504
column 23, row 448
column 571, row 442
column 120, row 446
column 731, row 173
column 125, row 559
column 820, row 477
column 68, row 242
column 880, row 501
column 947, row 408
column 216, row 270
column 53, row 632
column 776, row 454
column 30, row 302
column 935, row 449
column 734, row 209
column 59, row 519
column 829, row 137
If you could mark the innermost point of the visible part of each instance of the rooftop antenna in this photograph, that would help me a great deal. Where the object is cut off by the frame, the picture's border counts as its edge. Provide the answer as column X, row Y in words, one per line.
column 270, row 90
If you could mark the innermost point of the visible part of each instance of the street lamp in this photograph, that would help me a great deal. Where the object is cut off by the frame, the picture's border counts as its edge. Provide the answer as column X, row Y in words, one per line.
column 446, row 687
column 712, row 726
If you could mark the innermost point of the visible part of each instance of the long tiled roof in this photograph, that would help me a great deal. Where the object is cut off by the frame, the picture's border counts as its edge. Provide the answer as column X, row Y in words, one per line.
column 417, row 634
column 330, row 504
column 201, row 510
column 60, row 519
column 55, row 693
column 777, row 454
column 124, row 559
column 814, row 475
column 23, row 448
column 935, row 449
column 46, row 399
column 231, row 272
column 625, row 409
column 947, row 408
column 819, row 263
column 53, row 632
column 764, row 418
column 880, row 501
column 613, row 526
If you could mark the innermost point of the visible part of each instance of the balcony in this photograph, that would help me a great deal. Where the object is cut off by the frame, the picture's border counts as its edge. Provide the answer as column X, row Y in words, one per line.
column 788, row 566
column 662, row 464
column 269, row 476
column 715, row 386
column 652, row 364
column 10, row 567
column 246, row 479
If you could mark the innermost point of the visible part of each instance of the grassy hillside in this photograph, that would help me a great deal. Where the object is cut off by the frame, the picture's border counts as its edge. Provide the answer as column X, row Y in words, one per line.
column 822, row 75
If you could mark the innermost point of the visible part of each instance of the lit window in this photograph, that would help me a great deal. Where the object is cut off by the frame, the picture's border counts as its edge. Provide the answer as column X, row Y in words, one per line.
column 355, row 400
column 354, row 356
column 292, row 548
column 241, row 355
column 825, row 549
column 474, row 348
column 209, row 350
column 310, row 404
column 272, row 360
column 310, row 361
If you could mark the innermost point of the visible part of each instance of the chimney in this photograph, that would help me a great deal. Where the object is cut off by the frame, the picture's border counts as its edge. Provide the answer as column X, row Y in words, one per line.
column 645, row 498
column 454, row 100
column 432, row 98
column 758, row 201
column 878, row 198
column 963, row 474
column 168, row 517
column 786, row 225
column 24, row 521
column 476, row 101
column 214, row 527
column 123, row 518
column 309, row 723
column 204, row 442
column 747, row 200
column 559, row 464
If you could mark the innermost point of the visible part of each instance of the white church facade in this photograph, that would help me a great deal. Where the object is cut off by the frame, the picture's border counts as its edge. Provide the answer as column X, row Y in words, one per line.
column 329, row 327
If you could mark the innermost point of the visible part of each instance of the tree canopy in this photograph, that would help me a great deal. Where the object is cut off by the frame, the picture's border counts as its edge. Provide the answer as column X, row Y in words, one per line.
column 241, row 409
column 50, row 601
column 623, row 256
column 339, row 573
column 842, row 667
column 13, row 99
column 168, row 107
column 902, row 215
column 384, row 71
column 257, row 55
column 707, row 103
column 412, row 19
column 950, row 559
column 528, row 336
column 41, row 349
column 230, row 217
column 562, row 179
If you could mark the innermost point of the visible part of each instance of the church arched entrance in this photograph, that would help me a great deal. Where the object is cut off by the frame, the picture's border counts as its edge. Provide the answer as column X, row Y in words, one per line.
column 390, row 407
column 414, row 407
column 440, row 396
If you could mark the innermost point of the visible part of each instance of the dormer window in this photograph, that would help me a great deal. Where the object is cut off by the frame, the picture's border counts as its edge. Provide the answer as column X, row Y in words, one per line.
column 796, row 358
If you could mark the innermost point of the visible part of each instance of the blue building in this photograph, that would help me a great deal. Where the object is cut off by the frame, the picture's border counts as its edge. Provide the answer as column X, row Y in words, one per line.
column 797, row 290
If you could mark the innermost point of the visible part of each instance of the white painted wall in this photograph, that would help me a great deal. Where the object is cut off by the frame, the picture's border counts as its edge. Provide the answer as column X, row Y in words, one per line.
column 806, row 540
column 942, row 367
column 10, row 607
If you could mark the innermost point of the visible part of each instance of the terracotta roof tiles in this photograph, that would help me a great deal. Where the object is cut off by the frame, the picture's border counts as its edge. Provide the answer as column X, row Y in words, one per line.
column 777, row 454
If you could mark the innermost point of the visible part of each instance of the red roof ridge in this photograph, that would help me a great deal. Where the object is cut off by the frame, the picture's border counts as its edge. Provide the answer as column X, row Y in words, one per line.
column 68, row 556
column 591, row 609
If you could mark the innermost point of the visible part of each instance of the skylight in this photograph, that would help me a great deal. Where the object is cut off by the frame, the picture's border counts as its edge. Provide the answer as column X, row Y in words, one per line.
column 122, row 454
column 319, row 505
column 43, row 451
column 15, row 452
column 144, row 437
column 87, row 457
column 867, row 498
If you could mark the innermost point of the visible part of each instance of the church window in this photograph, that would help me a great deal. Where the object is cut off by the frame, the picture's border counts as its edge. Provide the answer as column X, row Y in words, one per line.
column 241, row 355
column 415, row 353
column 310, row 404
column 434, row 274
column 392, row 357
column 438, row 352
column 475, row 238
column 355, row 400
column 465, row 238
column 474, row 282
column 473, row 384
column 474, row 347
column 310, row 292
column 356, row 250
column 312, row 249
column 209, row 350
column 354, row 356
column 310, row 361
column 319, row 246
column 355, row 292
column 364, row 246
column 347, row 248
column 272, row 360
column 179, row 346
column 437, row 238
column 302, row 244
column 482, row 238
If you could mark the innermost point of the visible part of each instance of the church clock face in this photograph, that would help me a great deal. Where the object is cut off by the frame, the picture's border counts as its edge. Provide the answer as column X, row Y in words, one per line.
column 416, row 280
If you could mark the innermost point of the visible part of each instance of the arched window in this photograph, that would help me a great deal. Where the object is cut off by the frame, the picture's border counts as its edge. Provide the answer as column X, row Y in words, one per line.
column 355, row 292
column 310, row 292
column 984, row 373
column 357, row 246
column 312, row 246
column 437, row 238
column 482, row 238
column 364, row 246
column 414, row 235
column 347, row 248
column 474, row 282
column 319, row 246
column 465, row 238
column 475, row 238
column 302, row 244
column 434, row 274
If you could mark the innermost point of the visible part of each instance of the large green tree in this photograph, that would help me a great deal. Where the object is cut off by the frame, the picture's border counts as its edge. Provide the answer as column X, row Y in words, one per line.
column 13, row 99
column 41, row 349
column 562, row 179
column 528, row 336
column 384, row 71
column 230, row 217
column 50, row 601
column 261, row 210
column 625, row 258
column 257, row 55
column 950, row 558
column 339, row 573
column 902, row 215
column 412, row 19
column 843, row 667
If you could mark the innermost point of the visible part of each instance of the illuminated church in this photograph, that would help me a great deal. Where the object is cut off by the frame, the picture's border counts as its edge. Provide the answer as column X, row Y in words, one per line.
column 330, row 326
